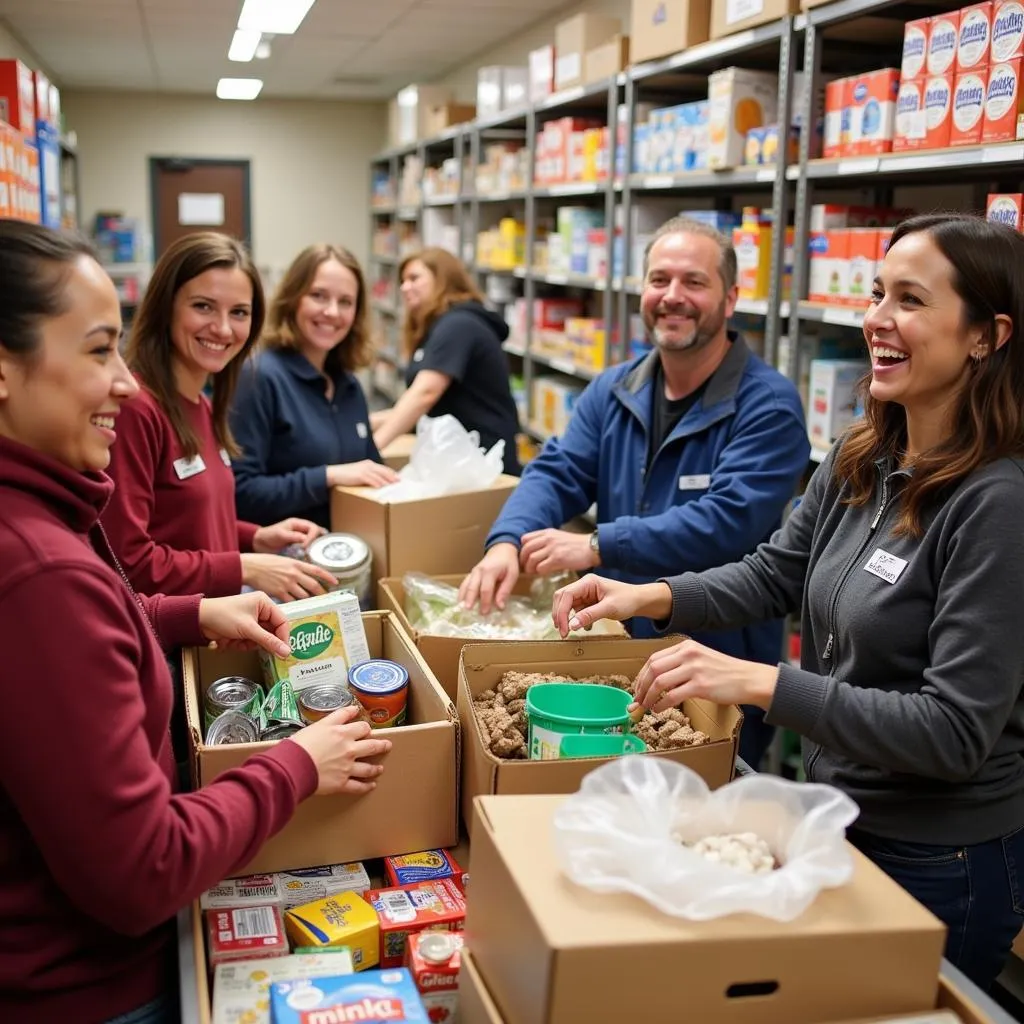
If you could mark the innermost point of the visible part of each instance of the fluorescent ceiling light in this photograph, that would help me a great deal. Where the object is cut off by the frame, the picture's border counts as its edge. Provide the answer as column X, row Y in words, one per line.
column 244, row 45
column 239, row 88
column 280, row 17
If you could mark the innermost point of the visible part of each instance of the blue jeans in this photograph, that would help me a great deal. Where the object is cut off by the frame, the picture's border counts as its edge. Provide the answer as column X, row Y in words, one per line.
column 976, row 891
column 162, row 1010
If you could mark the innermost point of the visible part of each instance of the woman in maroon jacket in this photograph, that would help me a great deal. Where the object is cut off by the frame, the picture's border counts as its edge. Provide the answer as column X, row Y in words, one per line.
column 172, row 519
column 97, row 851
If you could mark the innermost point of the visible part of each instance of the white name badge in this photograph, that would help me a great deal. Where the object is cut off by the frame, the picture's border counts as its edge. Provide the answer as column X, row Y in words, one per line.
column 885, row 566
column 189, row 467
column 418, row 357
column 361, row 430
column 698, row 482
column 225, row 458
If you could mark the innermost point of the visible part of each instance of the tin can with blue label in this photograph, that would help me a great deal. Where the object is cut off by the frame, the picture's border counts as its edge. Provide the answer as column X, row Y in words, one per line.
column 382, row 687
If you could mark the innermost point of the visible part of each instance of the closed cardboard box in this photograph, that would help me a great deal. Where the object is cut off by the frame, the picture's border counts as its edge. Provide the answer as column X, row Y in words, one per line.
column 441, row 116
column 408, row 121
column 573, row 38
column 658, row 28
column 729, row 16
column 481, row 668
column 606, row 60
column 476, row 1006
column 554, row 953
column 414, row 806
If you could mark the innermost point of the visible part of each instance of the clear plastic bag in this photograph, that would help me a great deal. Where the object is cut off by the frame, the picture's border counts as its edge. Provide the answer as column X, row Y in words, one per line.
column 624, row 832
column 446, row 459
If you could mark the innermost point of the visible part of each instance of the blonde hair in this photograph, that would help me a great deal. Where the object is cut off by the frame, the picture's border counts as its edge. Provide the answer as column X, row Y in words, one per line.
column 452, row 284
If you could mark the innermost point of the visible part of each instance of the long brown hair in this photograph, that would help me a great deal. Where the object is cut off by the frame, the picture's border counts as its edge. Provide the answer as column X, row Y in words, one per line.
column 988, row 275
column 150, row 351
column 355, row 350
column 452, row 284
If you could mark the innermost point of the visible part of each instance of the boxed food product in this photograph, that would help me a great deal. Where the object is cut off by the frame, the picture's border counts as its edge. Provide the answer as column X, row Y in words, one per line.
column 660, row 27
column 836, row 106
column 729, row 16
column 249, row 891
column 909, row 130
column 343, row 920
column 938, row 111
column 832, row 397
column 915, row 48
column 872, row 112
column 434, row 960
column 1003, row 120
column 829, row 266
column 410, row 909
column 943, row 37
column 541, row 63
column 1005, row 208
column 862, row 256
column 1007, row 31
column 306, row 885
column 373, row 996
column 975, row 39
column 244, row 933
column 738, row 100
column 17, row 97
column 968, row 108
column 428, row 866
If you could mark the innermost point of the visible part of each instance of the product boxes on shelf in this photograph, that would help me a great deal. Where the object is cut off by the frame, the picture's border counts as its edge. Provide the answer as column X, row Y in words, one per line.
column 658, row 28
column 413, row 104
column 414, row 804
column 482, row 667
column 442, row 116
column 833, row 398
column 872, row 99
column 605, row 60
column 411, row 909
column 915, row 48
column 1007, row 31
column 738, row 100
column 836, row 107
column 1005, row 208
column 968, row 108
column 1003, row 120
column 573, row 38
column 729, row 16
column 541, row 64
column 862, row 256
column 829, row 266
column 426, row 866
column 501, row 88
column 975, row 39
column 17, row 97
column 307, row 885
column 943, row 38
column 909, row 130
column 346, row 920
column 924, row 114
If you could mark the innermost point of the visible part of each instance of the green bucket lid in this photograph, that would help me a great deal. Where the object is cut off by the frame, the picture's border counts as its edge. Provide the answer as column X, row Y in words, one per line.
column 607, row 745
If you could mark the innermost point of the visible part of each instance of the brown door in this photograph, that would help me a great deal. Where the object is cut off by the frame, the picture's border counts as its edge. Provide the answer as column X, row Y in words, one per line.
column 199, row 195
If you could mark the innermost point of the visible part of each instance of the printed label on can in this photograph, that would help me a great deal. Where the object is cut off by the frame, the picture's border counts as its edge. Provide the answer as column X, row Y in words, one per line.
column 1005, row 209
column 1008, row 32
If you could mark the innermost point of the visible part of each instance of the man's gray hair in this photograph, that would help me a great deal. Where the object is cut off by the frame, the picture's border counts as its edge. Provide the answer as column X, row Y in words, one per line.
column 688, row 226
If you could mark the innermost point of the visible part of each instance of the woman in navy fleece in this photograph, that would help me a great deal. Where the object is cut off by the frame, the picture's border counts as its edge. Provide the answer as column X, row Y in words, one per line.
column 299, row 414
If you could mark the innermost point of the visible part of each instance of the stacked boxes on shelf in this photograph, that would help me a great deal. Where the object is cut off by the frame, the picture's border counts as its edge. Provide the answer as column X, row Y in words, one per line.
column 442, row 181
column 553, row 401
column 1005, row 208
column 503, row 167
column 500, row 89
column 752, row 241
column 26, row 101
column 502, row 247
column 571, row 149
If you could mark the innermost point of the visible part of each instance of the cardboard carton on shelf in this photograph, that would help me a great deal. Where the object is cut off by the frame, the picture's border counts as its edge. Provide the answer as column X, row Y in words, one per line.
column 573, row 38
column 18, row 97
column 729, row 16
column 606, row 60
column 409, row 112
column 481, row 668
column 441, row 116
column 414, row 806
column 541, row 63
column 658, row 28
column 431, row 535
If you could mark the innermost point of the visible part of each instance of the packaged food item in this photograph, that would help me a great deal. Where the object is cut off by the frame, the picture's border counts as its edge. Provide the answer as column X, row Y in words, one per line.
column 343, row 920
column 348, row 559
column 405, row 911
column 428, row 866
column 307, row 885
column 829, row 266
column 943, row 37
column 968, row 108
column 1005, row 208
column 326, row 636
column 249, row 891
column 872, row 112
column 382, row 687
column 862, row 250
column 232, row 693
column 738, row 100
column 915, row 48
column 433, row 960
column 372, row 996
column 1007, row 31
column 910, row 129
column 241, row 991
column 975, row 39
column 281, row 707
column 322, row 699
column 938, row 111
column 233, row 727
column 1003, row 120
column 245, row 932
column 835, row 107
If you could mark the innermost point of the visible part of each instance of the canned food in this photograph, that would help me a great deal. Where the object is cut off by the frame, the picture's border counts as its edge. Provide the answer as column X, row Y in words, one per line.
column 232, row 727
column 348, row 559
column 279, row 731
column 383, row 689
column 233, row 693
column 321, row 699
column 281, row 707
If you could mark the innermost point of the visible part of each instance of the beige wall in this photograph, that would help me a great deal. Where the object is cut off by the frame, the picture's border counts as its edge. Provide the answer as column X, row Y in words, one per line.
column 310, row 160
column 12, row 46
column 514, row 52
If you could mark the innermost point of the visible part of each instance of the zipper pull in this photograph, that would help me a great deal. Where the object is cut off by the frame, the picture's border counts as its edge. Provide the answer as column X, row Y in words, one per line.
column 881, row 506
column 827, row 653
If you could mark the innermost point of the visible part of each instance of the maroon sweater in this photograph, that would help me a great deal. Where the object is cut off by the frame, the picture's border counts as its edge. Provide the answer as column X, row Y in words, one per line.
column 174, row 530
column 96, row 852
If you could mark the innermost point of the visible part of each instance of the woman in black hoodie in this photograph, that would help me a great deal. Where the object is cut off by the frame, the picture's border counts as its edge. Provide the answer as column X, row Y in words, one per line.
column 456, row 364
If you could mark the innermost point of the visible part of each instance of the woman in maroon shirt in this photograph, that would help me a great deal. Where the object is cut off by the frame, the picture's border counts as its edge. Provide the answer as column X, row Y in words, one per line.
column 172, row 520
column 98, row 852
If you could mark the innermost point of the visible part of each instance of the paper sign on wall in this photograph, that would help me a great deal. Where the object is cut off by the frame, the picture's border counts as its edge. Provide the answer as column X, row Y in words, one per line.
column 204, row 208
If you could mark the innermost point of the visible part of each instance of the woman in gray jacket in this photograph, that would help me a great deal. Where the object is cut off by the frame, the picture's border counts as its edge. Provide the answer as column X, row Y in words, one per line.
column 906, row 557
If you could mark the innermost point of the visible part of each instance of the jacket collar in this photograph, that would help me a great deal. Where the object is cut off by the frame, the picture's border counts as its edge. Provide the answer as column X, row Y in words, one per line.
column 301, row 368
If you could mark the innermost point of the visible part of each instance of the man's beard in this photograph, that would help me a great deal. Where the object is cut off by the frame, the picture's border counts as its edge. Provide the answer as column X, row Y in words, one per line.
column 704, row 329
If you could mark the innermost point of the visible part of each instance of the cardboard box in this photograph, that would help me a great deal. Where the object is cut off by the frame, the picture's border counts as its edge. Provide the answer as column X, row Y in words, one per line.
column 541, row 64
column 729, row 16
column 481, row 668
column 943, row 39
column 658, row 28
column 915, row 48
column 432, row 535
column 414, row 805
column 969, row 108
column 573, row 38
column 1006, row 208
column 832, row 397
column 872, row 98
column 442, row 116
column 412, row 106
column 836, row 105
column 553, row 953
column 975, row 39
column 411, row 909
column 17, row 97
column 501, row 88
column 397, row 454
column 476, row 1004
column 1007, row 31
column 738, row 100
column 1004, row 103
column 606, row 60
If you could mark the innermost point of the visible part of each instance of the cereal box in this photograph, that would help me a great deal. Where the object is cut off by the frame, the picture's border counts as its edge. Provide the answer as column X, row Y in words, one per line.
column 833, row 398
column 1007, row 31
column 975, row 39
column 968, row 108
column 862, row 255
column 427, row 906
column 943, row 36
column 250, row 891
column 241, row 991
column 915, row 48
column 884, row 238
column 938, row 111
column 343, row 920
column 910, row 130
column 872, row 112
column 433, row 960
column 1004, row 103
column 428, row 866
column 373, row 996
column 326, row 636
column 829, row 267
column 835, row 105
column 738, row 100
column 244, row 933
column 307, row 885
column 1005, row 208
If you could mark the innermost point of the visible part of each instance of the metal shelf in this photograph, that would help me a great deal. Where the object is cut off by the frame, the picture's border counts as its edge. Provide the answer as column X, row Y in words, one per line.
column 495, row 197
column 841, row 316
column 729, row 177
column 570, row 188
column 382, row 209
column 442, row 201
column 596, row 284
column 564, row 365
column 573, row 97
column 975, row 158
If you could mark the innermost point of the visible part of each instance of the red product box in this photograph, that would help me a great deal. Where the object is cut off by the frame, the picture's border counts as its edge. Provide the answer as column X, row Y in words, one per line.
column 1004, row 103
column 1007, row 31
column 1005, row 208
column 245, row 933
column 943, row 39
column 18, row 97
column 975, row 39
column 915, row 48
column 969, row 107
column 836, row 108
column 872, row 112
column 433, row 960
column 910, row 130
column 411, row 909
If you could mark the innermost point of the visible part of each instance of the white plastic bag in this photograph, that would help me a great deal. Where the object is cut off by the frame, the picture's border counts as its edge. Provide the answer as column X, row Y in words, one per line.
column 446, row 459
column 621, row 833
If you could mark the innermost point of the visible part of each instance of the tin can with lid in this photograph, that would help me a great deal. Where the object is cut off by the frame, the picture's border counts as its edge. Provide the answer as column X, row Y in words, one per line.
column 322, row 699
column 347, row 558
column 279, row 731
column 382, row 687
column 233, row 693
column 232, row 727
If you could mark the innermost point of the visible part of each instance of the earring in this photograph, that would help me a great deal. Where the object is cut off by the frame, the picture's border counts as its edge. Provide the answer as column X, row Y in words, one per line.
column 976, row 359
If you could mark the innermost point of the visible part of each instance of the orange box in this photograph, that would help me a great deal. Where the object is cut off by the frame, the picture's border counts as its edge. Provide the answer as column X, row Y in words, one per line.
column 975, row 38
column 915, row 48
column 1004, row 103
column 938, row 111
column 409, row 909
column 910, row 129
column 835, row 110
column 969, row 107
column 872, row 99
column 861, row 255
column 18, row 97
column 829, row 266
column 41, row 87
column 1005, row 208
column 1007, row 31
column 884, row 238
column 943, row 39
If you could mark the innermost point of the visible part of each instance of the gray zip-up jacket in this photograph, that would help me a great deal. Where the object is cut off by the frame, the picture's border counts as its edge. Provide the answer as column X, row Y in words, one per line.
column 912, row 656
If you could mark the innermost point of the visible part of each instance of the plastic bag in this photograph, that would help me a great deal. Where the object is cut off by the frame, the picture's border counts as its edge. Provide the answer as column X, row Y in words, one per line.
column 446, row 459
column 624, row 832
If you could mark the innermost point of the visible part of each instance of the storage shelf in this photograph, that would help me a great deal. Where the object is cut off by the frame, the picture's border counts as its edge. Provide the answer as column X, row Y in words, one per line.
column 382, row 209
column 731, row 177
column 710, row 53
column 441, row 201
column 564, row 365
column 574, row 96
column 596, row 284
column 495, row 197
column 976, row 159
column 841, row 316
column 570, row 188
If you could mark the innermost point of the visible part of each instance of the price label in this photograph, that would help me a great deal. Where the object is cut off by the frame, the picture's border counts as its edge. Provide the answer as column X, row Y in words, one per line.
column 766, row 174
column 659, row 181
column 556, row 278
column 1002, row 154
column 866, row 165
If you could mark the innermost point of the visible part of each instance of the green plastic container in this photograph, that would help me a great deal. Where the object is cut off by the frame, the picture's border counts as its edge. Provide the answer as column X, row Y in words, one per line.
column 556, row 710
column 606, row 745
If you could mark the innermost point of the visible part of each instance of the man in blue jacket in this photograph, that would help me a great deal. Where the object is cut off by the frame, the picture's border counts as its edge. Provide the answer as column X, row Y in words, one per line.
column 690, row 452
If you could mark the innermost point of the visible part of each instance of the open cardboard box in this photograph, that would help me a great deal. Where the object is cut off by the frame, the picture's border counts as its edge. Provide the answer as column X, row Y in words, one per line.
column 415, row 804
column 481, row 668
column 398, row 453
column 431, row 535
column 552, row 952
column 441, row 653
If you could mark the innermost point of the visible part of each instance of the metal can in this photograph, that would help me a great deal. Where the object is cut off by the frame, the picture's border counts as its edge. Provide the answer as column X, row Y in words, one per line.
column 279, row 731
column 322, row 699
column 232, row 727
column 348, row 559
column 382, row 688
column 281, row 707
column 233, row 693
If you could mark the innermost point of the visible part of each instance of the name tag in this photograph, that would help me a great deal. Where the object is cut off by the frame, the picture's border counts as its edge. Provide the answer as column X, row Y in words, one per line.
column 698, row 482
column 225, row 458
column 189, row 467
column 885, row 566
column 361, row 430
column 418, row 356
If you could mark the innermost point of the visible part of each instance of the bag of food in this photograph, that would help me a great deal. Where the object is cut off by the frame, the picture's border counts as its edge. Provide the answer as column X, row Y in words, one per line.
column 758, row 845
